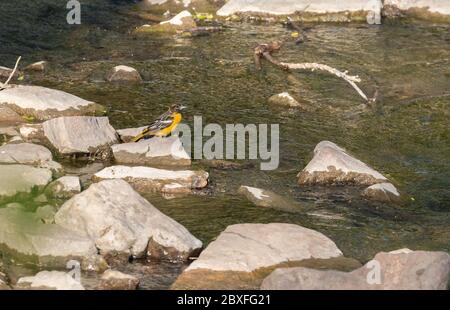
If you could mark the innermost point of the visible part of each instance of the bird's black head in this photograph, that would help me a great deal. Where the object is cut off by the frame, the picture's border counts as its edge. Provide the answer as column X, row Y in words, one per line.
column 177, row 108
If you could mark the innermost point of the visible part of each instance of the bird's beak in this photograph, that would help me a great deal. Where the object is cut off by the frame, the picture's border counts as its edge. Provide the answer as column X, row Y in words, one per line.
column 183, row 107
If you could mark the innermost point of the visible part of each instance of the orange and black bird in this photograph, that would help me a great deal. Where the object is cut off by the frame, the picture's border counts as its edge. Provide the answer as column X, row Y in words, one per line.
column 164, row 125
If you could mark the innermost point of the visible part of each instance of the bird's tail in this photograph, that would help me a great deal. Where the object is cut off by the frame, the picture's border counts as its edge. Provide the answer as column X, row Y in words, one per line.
column 138, row 137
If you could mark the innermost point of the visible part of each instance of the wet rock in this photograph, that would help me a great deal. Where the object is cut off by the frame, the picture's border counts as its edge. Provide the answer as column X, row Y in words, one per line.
column 46, row 214
column 382, row 192
column 115, row 280
column 221, row 164
column 6, row 72
column 333, row 165
column 9, row 131
column 354, row 9
column 50, row 280
column 22, row 179
column 39, row 66
column 126, row 135
column 124, row 74
column 9, row 117
column 80, row 134
column 181, row 22
column 247, row 247
column 40, row 103
column 399, row 270
column 27, row 239
column 243, row 255
column 65, row 187
column 119, row 220
column 267, row 199
column 32, row 132
column 425, row 9
column 284, row 100
column 28, row 154
column 145, row 179
column 153, row 152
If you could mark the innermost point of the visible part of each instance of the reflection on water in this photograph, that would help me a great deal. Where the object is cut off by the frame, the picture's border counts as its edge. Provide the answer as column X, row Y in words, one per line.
column 405, row 136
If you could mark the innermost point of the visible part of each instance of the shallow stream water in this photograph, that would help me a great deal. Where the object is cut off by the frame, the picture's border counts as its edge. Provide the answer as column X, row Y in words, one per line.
column 405, row 135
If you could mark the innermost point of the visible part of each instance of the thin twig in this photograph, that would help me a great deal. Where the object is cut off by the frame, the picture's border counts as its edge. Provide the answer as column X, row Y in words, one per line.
column 4, row 85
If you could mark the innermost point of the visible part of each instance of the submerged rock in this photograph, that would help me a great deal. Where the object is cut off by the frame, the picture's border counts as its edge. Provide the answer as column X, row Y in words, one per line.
column 153, row 152
column 22, row 179
column 115, row 280
column 333, row 165
column 6, row 72
column 28, row 154
column 40, row 103
column 50, row 280
column 119, row 220
column 65, row 187
column 382, row 192
column 27, row 239
column 9, row 117
column 80, row 134
column 399, row 270
column 267, row 199
column 181, row 22
column 39, row 66
column 124, row 74
column 284, row 100
column 145, row 179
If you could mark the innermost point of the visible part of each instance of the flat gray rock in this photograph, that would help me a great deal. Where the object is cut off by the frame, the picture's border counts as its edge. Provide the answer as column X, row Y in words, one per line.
column 153, row 152
column 30, row 240
column 79, row 134
column 44, row 103
column 398, row 270
column 119, row 220
column 247, row 247
column 21, row 179
column 268, row 199
column 145, row 179
column 27, row 154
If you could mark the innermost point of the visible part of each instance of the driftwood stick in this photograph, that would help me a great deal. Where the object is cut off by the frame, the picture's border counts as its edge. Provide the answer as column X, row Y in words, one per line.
column 4, row 85
column 352, row 80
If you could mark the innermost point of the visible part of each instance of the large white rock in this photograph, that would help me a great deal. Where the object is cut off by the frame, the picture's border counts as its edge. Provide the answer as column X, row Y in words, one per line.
column 45, row 244
column 157, row 151
column 247, row 247
column 52, row 280
column 398, row 270
column 79, row 134
column 21, row 179
column 127, row 134
column 333, row 165
column 146, row 179
column 433, row 6
column 27, row 154
column 287, row 7
column 44, row 103
column 119, row 220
